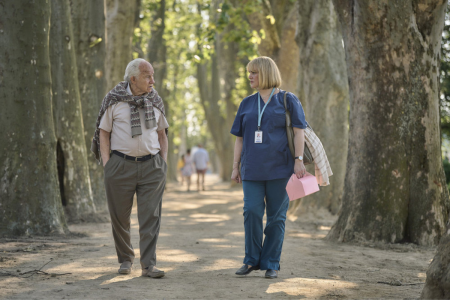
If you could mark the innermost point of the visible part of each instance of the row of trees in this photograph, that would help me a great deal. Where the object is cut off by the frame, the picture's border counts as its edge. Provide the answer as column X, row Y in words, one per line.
column 370, row 66
column 52, row 67
column 394, row 188
column 201, row 48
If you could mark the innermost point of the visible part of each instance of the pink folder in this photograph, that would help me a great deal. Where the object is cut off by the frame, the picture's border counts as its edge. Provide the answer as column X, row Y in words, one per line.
column 299, row 188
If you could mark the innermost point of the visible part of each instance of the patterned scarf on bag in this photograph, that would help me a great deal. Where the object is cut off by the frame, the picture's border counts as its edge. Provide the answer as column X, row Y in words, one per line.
column 119, row 94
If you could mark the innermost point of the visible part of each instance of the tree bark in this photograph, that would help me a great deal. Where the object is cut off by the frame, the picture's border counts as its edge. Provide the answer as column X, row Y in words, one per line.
column 73, row 169
column 394, row 186
column 279, row 42
column 120, row 21
column 172, row 157
column 323, row 91
column 30, row 202
column 228, row 71
column 437, row 285
column 88, row 22
column 219, row 117
column 218, row 121
column 136, row 44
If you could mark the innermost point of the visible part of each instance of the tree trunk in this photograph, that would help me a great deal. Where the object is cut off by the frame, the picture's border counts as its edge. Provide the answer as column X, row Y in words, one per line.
column 120, row 21
column 323, row 91
column 88, row 22
column 157, row 56
column 73, row 169
column 437, row 285
column 210, row 73
column 182, row 130
column 228, row 71
column 209, row 89
column 394, row 186
column 30, row 202
column 218, row 122
column 136, row 44
column 279, row 42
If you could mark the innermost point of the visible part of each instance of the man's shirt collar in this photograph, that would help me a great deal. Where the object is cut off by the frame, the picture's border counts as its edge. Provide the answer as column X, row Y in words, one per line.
column 128, row 89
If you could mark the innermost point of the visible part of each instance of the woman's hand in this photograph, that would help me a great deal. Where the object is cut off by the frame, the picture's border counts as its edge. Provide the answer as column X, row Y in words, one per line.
column 236, row 175
column 299, row 168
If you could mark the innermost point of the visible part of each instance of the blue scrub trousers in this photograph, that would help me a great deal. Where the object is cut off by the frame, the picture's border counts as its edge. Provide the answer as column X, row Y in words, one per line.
column 266, row 255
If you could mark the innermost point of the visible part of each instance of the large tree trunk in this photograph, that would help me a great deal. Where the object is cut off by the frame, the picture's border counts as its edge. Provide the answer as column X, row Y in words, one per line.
column 437, row 285
column 30, row 202
column 220, row 120
column 173, row 157
column 120, row 21
column 157, row 56
column 228, row 71
column 394, row 186
column 218, row 123
column 323, row 91
column 279, row 42
column 88, row 22
column 136, row 44
column 73, row 169
column 209, row 96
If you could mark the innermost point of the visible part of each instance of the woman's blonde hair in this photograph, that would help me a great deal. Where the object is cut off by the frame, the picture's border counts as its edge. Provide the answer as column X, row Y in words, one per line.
column 269, row 75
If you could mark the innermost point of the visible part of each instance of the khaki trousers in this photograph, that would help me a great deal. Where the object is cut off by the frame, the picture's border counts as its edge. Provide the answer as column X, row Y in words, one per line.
column 124, row 178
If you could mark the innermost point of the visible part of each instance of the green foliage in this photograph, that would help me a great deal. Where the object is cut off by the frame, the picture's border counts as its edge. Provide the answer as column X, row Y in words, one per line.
column 231, row 22
column 445, row 78
column 446, row 164
column 445, row 92
column 187, row 120
column 193, row 29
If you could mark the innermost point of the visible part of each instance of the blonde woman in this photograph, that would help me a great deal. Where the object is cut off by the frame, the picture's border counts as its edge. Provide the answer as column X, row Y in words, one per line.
column 263, row 163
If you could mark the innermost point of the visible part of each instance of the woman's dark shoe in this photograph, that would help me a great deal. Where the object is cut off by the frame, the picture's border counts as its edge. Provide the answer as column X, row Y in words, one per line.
column 271, row 274
column 244, row 270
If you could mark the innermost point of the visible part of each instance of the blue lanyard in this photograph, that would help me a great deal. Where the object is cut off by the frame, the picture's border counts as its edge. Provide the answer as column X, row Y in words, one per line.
column 260, row 113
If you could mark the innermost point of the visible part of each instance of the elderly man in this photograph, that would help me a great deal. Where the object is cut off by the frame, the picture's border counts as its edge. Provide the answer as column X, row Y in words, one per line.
column 131, row 136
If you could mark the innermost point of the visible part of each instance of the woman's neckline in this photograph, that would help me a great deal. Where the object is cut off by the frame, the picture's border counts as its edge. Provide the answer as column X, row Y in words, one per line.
column 277, row 91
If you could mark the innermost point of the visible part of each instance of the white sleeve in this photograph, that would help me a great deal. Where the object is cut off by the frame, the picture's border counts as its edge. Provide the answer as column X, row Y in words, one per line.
column 162, row 122
column 106, row 122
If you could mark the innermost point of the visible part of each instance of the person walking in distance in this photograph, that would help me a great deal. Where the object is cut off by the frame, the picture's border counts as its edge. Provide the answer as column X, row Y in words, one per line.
column 180, row 166
column 262, row 151
column 201, row 160
column 188, row 169
column 132, row 139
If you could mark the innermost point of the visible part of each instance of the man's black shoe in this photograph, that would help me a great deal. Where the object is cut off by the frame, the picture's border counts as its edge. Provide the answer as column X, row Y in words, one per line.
column 244, row 270
column 271, row 274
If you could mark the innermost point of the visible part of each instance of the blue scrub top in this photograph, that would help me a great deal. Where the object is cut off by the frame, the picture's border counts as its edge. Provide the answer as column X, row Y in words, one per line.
column 271, row 159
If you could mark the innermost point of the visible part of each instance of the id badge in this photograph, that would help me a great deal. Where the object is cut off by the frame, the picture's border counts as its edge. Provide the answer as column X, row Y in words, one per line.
column 258, row 136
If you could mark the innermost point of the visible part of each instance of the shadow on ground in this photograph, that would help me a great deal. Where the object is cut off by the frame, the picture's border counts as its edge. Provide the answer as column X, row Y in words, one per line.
column 200, row 247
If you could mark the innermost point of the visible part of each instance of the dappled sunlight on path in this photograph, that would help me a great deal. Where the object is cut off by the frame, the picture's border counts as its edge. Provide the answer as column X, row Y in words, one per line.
column 201, row 244
column 304, row 286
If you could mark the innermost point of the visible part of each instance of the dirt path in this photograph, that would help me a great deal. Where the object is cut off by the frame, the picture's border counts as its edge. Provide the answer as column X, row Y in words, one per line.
column 201, row 245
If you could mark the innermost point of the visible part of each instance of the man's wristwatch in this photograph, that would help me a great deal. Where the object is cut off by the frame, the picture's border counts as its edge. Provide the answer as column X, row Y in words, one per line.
column 300, row 158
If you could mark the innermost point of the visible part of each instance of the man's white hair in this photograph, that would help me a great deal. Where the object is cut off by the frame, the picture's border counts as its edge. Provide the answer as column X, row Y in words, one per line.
column 133, row 69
